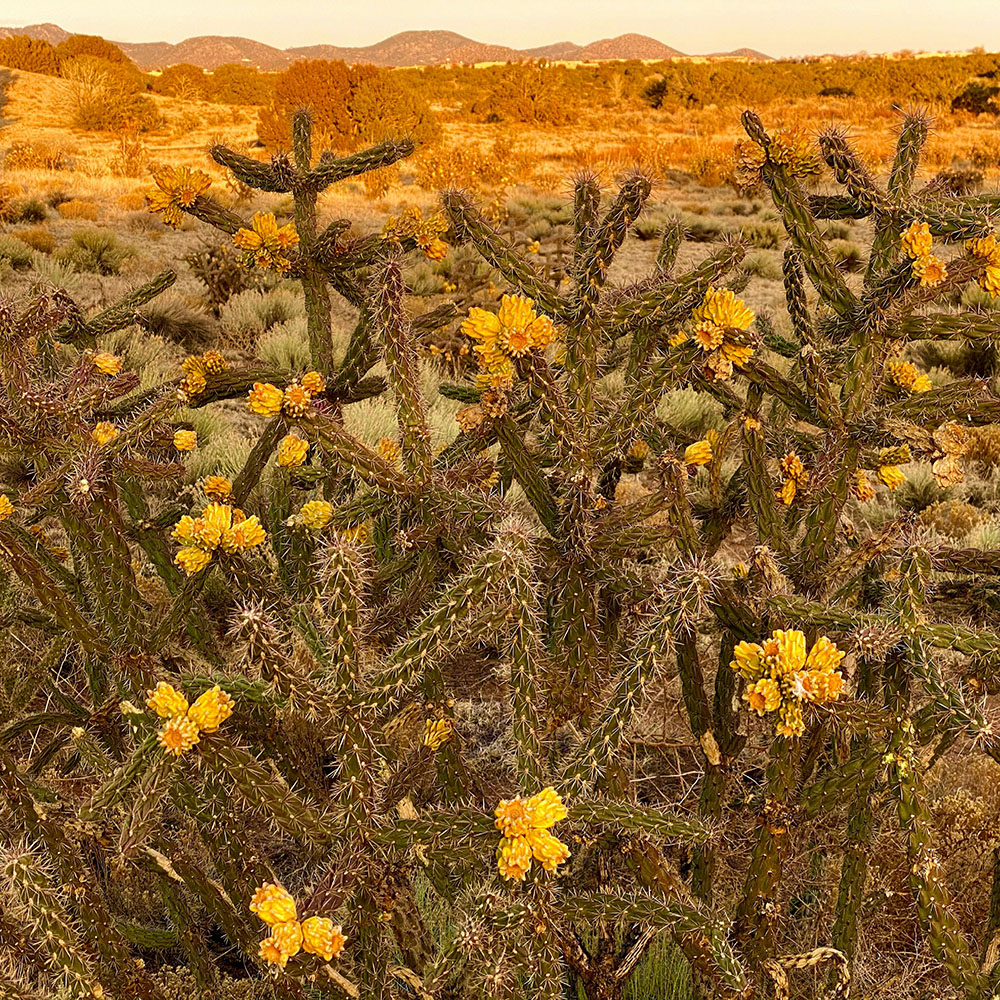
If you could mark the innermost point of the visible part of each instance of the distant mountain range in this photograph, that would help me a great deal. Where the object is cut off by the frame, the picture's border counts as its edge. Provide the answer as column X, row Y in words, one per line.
column 408, row 48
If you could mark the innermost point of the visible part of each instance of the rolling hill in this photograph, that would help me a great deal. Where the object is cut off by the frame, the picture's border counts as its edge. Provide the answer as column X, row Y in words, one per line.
column 407, row 48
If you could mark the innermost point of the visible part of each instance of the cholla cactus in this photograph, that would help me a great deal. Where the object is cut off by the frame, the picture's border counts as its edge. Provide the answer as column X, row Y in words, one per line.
column 256, row 684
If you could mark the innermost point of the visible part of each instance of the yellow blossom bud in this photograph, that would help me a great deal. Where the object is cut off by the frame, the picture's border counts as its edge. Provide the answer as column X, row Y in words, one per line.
column 211, row 709
column 185, row 440
column 166, row 701
column 316, row 514
column 104, row 432
column 107, row 364
column 292, row 451
column 320, row 936
column 273, row 904
column 699, row 453
column 265, row 399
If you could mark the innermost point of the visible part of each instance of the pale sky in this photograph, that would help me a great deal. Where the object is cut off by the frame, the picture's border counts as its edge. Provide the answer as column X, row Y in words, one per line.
column 778, row 27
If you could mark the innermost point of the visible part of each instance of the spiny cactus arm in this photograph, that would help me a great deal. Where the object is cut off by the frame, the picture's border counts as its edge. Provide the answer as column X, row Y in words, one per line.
column 801, row 227
column 837, row 206
column 960, row 399
column 668, row 302
column 27, row 566
column 484, row 586
column 670, row 244
column 261, row 793
column 602, row 243
column 331, row 169
column 944, row 934
column 850, row 171
column 501, row 254
column 253, row 173
column 913, row 132
column 54, row 927
column 123, row 313
column 189, row 935
column 773, row 383
column 527, row 473
column 946, row 326
column 943, row 636
column 390, row 323
column 525, row 668
column 586, row 205
column 208, row 210
column 347, row 450
column 555, row 411
column 98, row 541
column 795, row 295
column 655, row 822
column 646, row 658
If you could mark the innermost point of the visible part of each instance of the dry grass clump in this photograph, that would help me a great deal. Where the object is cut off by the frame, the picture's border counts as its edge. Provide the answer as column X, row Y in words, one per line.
column 37, row 238
column 78, row 208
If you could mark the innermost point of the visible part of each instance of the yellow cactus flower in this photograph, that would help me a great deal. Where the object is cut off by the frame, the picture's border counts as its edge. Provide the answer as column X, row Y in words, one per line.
column 321, row 936
column 185, row 530
column 891, row 476
column 292, row 451
column 748, row 659
column 792, row 723
column 185, row 440
column 930, row 270
column 513, row 332
column 247, row 534
column 947, row 471
column 547, row 849
column 287, row 937
column 107, row 364
column 436, row 250
column 273, row 904
column 271, row 953
column 179, row 735
column 297, row 400
column 211, row 709
column 990, row 280
column 104, row 431
column 525, row 824
column 177, row 188
column 986, row 248
column 922, row 383
column 6, row 507
column 166, row 701
column 316, row 514
column 217, row 488
column 437, row 732
column 721, row 307
column 917, row 240
column 763, row 695
column 863, row 488
column 795, row 150
column 265, row 399
column 313, row 382
column 514, row 858
column 265, row 242
column 192, row 560
column 680, row 337
column 699, row 453
column 708, row 336
column 213, row 362
column 193, row 384
column 546, row 808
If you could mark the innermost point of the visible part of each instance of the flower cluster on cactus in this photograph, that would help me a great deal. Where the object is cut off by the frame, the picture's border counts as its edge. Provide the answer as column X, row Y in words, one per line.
column 219, row 526
column 426, row 233
column 185, row 723
column 267, row 400
column 501, row 337
column 318, row 936
column 525, row 825
column 177, row 188
column 265, row 244
column 781, row 676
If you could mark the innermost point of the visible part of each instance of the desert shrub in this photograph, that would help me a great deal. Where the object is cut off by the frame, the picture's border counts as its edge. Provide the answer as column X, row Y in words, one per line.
column 527, row 92
column 984, row 445
column 14, row 253
column 381, row 108
column 93, row 46
column 326, row 88
column 175, row 321
column 190, row 83
column 105, row 96
column 763, row 265
column 978, row 98
column 247, row 315
column 23, row 210
column 78, row 208
column 96, row 250
column 37, row 238
column 33, row 55
column 985, row 152
column 36, row 156
column 234, row 84
column 954, row 518
column 286, row 345
column 219, row 270
column 130, row 159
